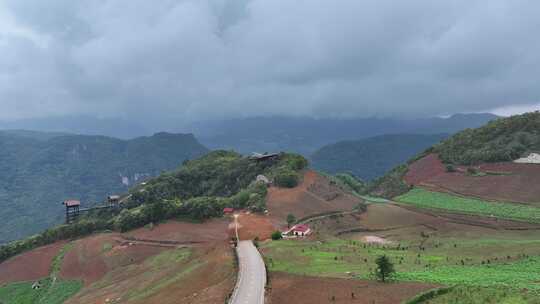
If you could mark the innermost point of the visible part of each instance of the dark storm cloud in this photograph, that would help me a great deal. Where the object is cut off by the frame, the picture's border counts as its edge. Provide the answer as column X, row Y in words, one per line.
column 196, row 59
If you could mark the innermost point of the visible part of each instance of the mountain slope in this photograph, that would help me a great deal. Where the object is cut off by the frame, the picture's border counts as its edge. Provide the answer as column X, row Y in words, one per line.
column 36, row 175
column 372, row 157
column 500, row 140
column 475, row 163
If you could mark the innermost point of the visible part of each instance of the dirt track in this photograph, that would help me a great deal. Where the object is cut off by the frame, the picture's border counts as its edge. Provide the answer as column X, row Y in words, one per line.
column 287, row 288
column 515, row 182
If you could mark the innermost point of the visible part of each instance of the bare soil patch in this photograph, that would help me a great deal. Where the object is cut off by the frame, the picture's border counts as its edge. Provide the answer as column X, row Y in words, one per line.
column 314, row 195
column 254, row 225
column 507, row 181
column 209, row 231
column 373, row 239
column 29, row 266
column 93, row 257
column 288, row 288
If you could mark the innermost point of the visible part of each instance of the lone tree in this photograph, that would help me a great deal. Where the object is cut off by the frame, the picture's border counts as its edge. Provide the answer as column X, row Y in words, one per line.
column 385, row 268
column 291, row 219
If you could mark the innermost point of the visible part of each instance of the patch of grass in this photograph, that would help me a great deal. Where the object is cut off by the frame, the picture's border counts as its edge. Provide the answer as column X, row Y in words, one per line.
column 106, row 247
column 168, row 257
column 479, row 295
column 434, row 200
column 51, row 292
column 58, row 259
column 521, row 274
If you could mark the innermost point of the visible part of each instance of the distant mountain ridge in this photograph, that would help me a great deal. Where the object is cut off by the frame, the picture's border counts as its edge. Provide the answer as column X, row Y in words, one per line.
column 372, row 157
column 306, row 135
column 39, row 170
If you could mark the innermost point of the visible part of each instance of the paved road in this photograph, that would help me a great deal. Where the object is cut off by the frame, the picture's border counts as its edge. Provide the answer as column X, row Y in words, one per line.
column 251, row 277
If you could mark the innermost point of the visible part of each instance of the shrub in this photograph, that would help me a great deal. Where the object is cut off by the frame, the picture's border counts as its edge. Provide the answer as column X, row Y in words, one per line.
column 450, row 168
column 287, row 179
column 276, row 235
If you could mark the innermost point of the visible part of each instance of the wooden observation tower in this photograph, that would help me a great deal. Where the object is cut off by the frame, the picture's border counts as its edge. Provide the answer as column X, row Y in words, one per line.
column 72, row 210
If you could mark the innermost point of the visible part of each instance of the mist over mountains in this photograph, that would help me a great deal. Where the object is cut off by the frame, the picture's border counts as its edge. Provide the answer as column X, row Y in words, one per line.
column 259, row 134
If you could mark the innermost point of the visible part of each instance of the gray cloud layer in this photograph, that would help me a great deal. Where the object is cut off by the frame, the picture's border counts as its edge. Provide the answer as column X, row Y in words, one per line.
column 195, row 59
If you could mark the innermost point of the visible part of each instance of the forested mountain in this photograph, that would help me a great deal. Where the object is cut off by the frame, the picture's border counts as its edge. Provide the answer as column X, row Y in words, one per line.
column 305, row 135
column 40, row 170
column 372, row 157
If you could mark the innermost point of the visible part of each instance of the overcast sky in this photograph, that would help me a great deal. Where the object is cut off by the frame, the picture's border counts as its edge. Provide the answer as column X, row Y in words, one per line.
column 196, row 59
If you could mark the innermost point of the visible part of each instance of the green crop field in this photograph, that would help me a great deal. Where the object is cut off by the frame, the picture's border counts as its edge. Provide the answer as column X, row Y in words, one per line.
column 451, row 262
column 478, row 295
column 50, row 292
column 434, row 200
column 51, row 289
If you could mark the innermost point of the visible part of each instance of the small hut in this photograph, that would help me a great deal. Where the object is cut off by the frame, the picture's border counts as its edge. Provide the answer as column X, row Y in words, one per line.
column 113, row 201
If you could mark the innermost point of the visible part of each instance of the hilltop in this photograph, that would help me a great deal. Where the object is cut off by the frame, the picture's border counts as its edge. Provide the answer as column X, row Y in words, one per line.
column 40, row 170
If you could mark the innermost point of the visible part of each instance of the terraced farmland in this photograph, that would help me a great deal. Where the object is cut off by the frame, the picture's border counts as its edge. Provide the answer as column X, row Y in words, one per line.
column 419, row 197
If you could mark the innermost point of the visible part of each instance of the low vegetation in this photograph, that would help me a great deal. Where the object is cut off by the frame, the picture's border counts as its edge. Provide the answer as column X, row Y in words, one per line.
column 389, row 185
column 446, row 261
column 50, row 290
column 435, row 200
column 474, row 295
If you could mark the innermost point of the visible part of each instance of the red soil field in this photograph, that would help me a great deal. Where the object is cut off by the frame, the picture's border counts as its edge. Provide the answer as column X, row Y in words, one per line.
column 289, row 288
column 211, row 230
column 252, row 225
column 29, row 266
column 93, row 257
column 314, row 195
column 517, row 182
column 210, row 281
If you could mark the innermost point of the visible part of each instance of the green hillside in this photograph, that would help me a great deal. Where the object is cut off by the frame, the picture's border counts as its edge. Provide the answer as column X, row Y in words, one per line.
column 503, row 139
column 198, row 190
column 372, row 157
column 38, row 172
